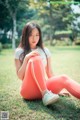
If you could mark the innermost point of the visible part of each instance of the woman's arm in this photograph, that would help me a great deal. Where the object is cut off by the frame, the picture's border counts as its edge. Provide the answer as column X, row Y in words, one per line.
column 49, row 68
column 21, row 66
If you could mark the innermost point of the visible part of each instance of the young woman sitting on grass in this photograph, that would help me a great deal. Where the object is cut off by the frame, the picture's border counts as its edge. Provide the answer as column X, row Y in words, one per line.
column 33, row 64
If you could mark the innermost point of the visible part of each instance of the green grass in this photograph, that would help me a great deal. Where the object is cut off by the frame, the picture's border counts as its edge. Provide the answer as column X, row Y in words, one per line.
column 65, row 60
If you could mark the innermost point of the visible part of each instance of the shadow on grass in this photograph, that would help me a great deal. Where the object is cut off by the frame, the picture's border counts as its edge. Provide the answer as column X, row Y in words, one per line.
column 64, row 109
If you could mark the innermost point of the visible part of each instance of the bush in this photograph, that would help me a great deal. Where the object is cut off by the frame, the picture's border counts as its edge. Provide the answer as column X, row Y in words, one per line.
column 7, row 45
column 17, row 42
column 77, row 42
column 0, row 47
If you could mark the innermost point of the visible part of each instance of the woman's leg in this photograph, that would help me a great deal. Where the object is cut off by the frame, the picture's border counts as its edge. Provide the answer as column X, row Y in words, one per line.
column 56, row 84
column 34, row 84
column 37, row 70
column 29, row 88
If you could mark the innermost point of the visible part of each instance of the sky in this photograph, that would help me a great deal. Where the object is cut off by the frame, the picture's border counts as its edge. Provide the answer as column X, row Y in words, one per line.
column 76, row 8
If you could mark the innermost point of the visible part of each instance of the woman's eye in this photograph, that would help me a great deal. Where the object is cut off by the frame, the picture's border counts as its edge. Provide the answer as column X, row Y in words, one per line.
column 33, row 35
column 30, row 35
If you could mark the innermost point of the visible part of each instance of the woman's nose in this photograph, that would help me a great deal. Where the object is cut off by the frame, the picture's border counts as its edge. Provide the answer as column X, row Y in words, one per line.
column 34, row 37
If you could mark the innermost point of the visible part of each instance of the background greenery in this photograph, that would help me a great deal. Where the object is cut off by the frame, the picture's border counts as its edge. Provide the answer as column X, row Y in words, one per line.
column 56, row 19
column 65, row 60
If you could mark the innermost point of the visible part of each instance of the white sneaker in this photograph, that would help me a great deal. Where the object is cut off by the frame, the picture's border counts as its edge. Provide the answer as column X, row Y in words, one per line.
column 50, row 98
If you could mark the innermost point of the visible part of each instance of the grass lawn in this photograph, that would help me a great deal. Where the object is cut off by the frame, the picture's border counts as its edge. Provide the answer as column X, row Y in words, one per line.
column 65, row 60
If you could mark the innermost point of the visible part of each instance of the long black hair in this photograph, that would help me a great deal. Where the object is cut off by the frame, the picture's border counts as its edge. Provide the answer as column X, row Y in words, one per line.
column 27, row 30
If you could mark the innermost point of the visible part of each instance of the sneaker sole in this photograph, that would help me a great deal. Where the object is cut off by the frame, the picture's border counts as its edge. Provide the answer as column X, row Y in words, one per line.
column 52, row 101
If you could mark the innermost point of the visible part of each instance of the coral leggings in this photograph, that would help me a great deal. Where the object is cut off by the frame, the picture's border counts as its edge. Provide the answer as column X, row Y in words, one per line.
column 34, row 81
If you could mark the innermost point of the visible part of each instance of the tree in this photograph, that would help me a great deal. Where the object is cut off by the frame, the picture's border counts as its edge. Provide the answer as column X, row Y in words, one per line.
column 13, row 9
column 56, row 17
column 5, row 19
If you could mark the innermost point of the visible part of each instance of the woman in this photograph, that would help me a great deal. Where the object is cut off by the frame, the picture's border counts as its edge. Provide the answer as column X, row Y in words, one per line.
column 33, row 66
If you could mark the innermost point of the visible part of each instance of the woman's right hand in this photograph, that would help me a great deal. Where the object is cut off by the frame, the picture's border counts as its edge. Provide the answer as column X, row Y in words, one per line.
column 22, row 67
column 32, row 54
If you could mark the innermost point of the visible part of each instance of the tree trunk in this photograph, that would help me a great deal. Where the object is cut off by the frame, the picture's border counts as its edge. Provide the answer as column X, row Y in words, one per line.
column 51, row 24
column 13, row 16
column 14, row 32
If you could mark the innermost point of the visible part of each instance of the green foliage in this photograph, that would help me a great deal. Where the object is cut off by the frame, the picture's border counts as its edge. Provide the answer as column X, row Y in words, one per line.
column 10, row 9
column 5, row 19
column 77, row 42
column 51, row 17
column 4, row 39
column 7, row 46
column 17, row 42
column 56, row 17
column 0, row 46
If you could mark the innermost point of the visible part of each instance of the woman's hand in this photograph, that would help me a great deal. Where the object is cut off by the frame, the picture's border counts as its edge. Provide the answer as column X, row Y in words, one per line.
column 20, row 68
column 64, row 93
column 31, row 54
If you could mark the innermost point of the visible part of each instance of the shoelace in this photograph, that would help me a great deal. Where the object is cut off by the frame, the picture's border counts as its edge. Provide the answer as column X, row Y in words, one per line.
column 49, row 92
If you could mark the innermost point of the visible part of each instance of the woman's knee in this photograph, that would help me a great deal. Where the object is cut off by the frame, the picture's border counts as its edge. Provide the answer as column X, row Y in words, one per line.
column 36, row 58
column 64, row 77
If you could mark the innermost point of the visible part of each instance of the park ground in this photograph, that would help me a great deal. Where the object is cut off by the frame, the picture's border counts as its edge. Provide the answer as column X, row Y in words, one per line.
column 65, row 60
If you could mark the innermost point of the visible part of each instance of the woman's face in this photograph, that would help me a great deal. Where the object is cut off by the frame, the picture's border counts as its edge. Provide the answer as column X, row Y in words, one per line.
column 34, row 38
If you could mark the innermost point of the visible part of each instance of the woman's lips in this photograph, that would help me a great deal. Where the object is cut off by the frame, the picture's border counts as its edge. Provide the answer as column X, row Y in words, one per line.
column 34, row 42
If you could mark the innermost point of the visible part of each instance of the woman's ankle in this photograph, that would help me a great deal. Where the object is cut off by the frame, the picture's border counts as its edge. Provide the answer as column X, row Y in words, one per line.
column 44, row 92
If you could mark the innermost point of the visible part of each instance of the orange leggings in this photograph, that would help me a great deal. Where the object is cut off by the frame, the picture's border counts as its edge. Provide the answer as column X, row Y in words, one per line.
column 34, row 81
